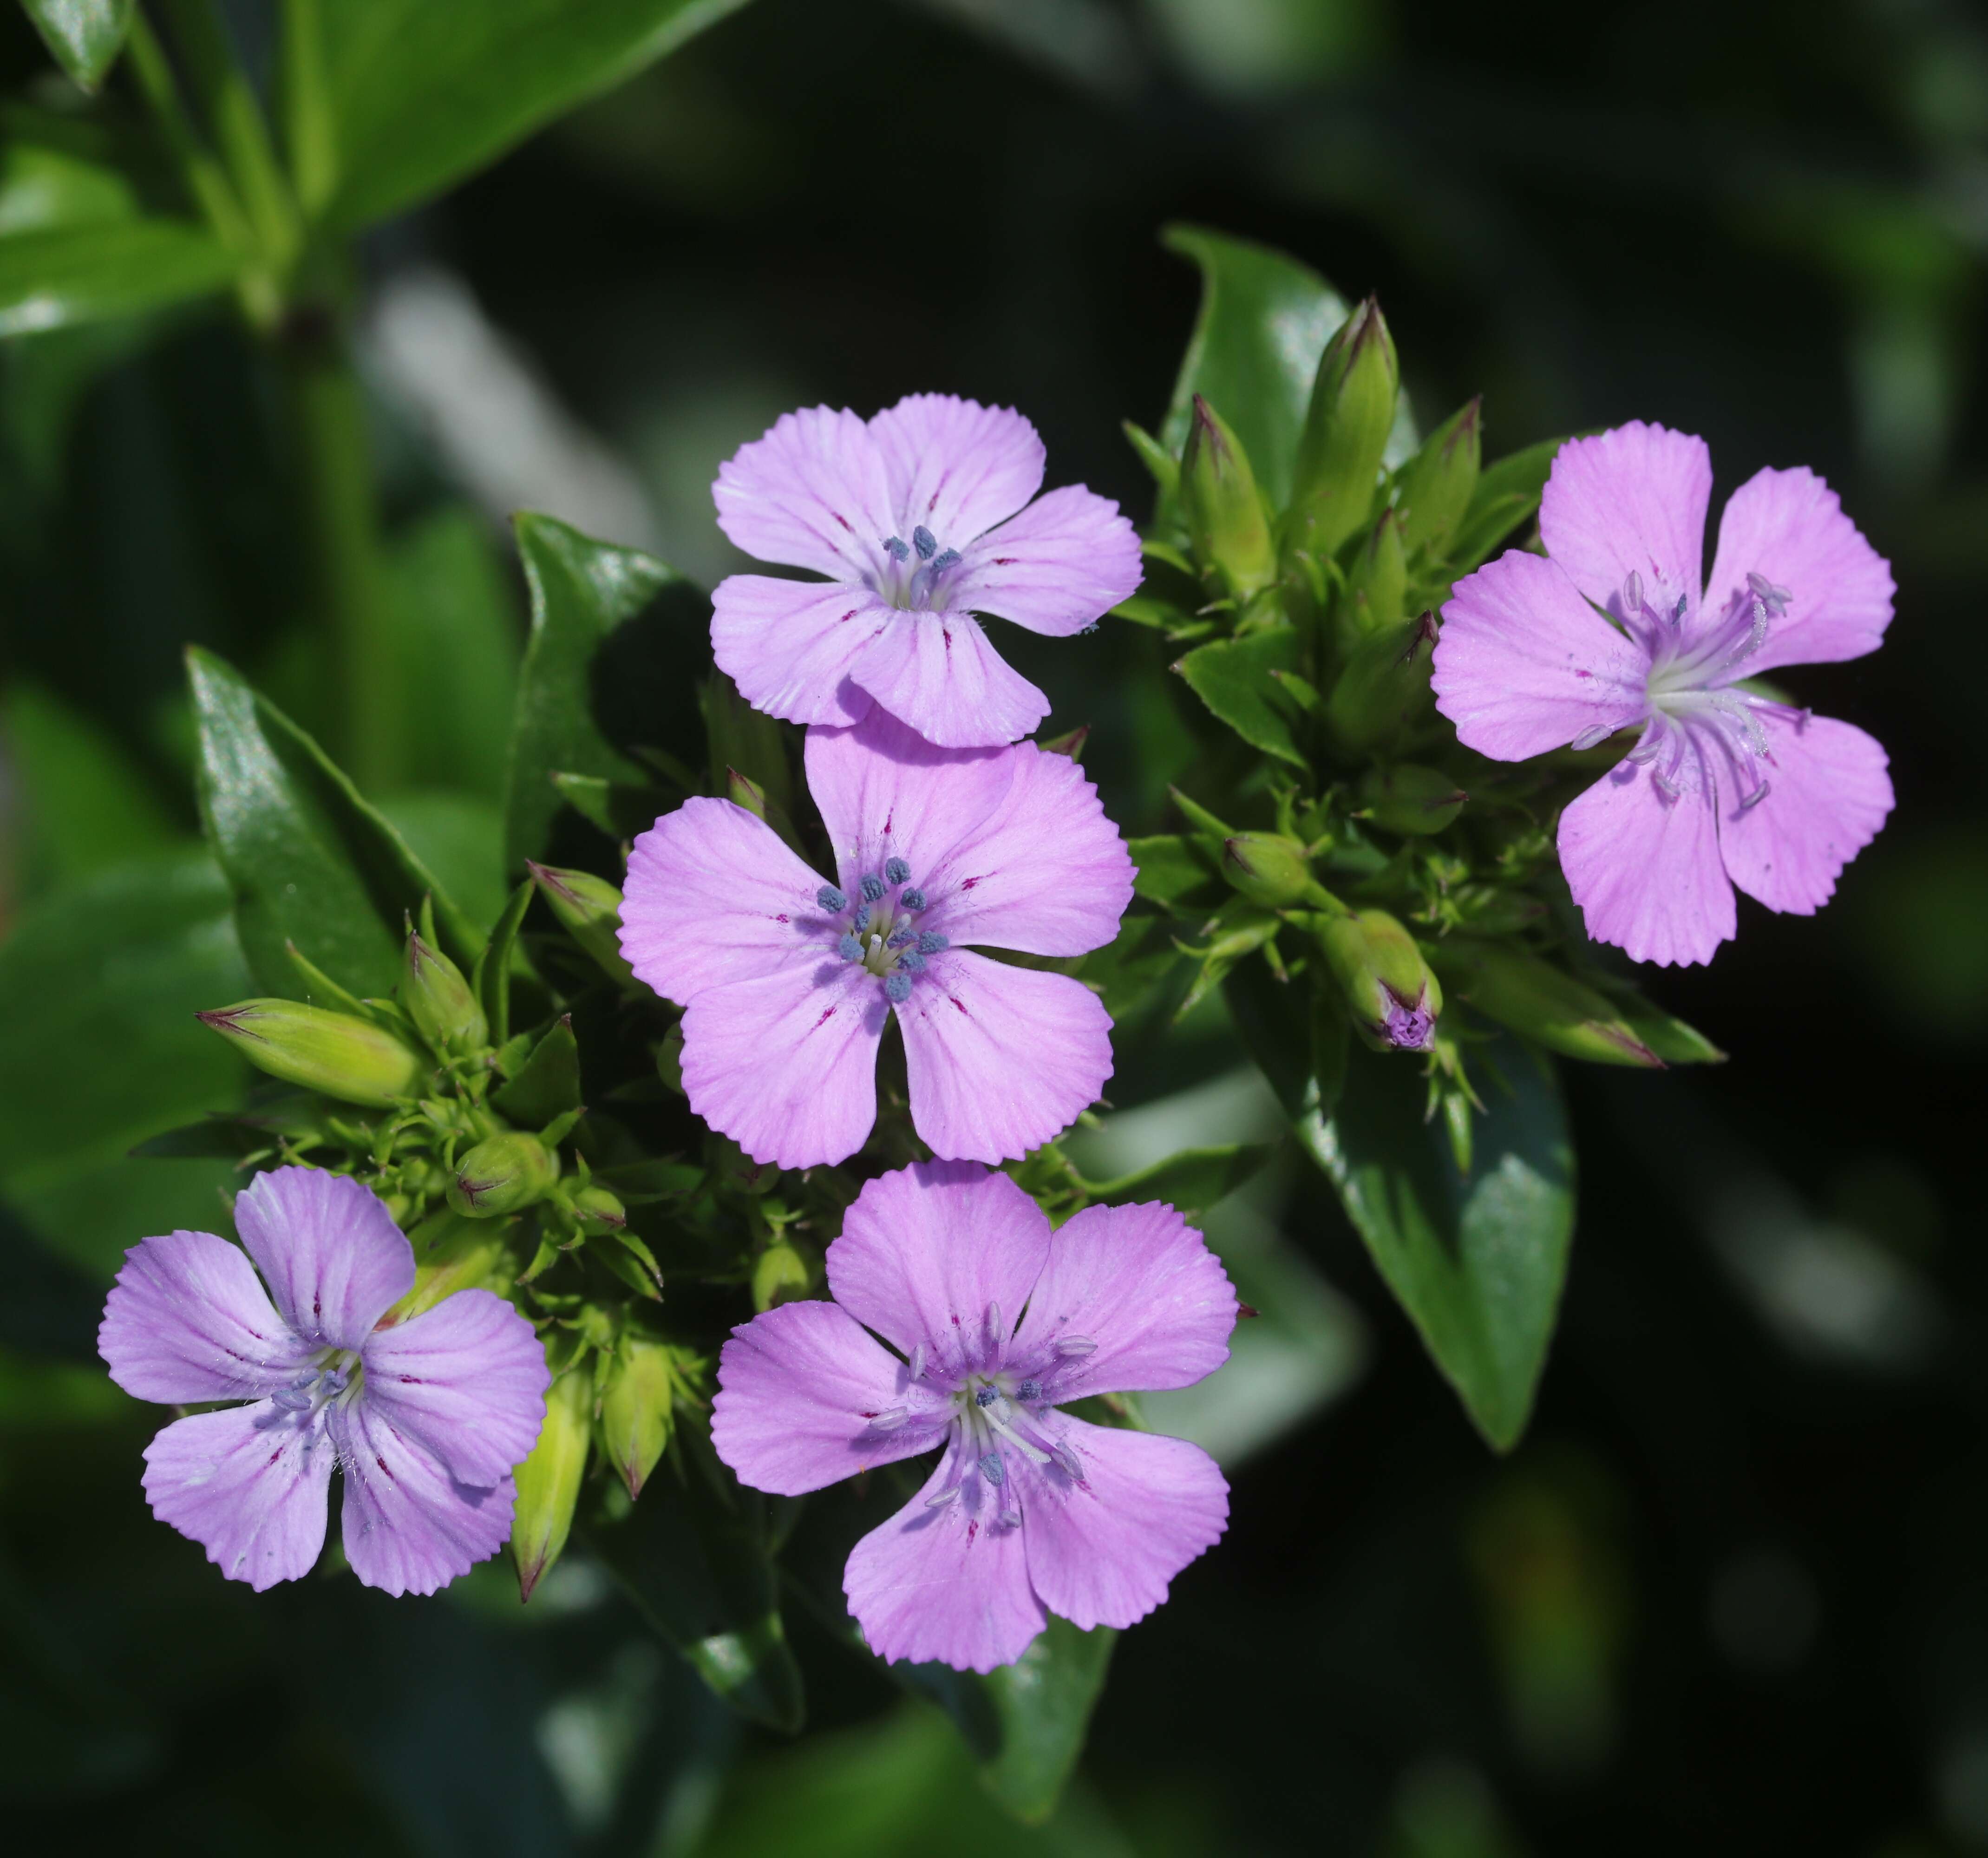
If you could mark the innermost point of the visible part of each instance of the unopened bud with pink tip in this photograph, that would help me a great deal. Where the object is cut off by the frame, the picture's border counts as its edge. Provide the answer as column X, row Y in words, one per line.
column 1391, row 997
column 334, row 1053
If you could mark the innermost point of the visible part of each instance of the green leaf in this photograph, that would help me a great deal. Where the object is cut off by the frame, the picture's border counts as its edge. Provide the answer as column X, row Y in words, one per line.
column 1670, row 1038
column 1265, row 320
column 84, row 274
column 695, row 1564
column 84, row 35
column 583, row 593
column 1170, row 866
column 1477, row 1260
column 492, row 975
column 1192, row 1180
column 460, row 838
column 549, row 1084
column 419, row 96
column 98, row 985
column 1507, row 494
column 620, row 808
column 307, row 858
column 1232, row 677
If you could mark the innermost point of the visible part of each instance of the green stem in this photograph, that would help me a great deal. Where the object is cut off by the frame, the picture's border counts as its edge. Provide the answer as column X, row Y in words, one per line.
column 205, row 178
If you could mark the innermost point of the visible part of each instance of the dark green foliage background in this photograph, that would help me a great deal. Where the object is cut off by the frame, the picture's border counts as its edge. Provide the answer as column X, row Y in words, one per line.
column 1731, row 1592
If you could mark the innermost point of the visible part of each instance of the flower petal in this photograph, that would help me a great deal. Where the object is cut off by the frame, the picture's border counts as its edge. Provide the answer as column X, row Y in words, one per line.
column 797, row 1387
column 1102, row 1552
column 1140, row 1283
column 956, row 467
column 249, row 1485
column 714, row 895
column 1645, row 870
column 926, row 1250
column 329, row 1250
column 410, row 1527
column 938, row 672
column 188, row 1320
column 1045, row 874
column 1524, row 665
column 1059, row 567
column 1001, row 1059
column 790, row 645
column 1828, row 794
column 812, row 492
column 1630, row 501
column 467, row 1379
column 1789, row 526
column 948, row 1586
column 786, row 1064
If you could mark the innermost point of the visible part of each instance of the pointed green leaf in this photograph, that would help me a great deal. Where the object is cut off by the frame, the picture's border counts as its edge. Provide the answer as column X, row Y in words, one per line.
column 1507, row 494
column 307, row 858
column 1477, row 1260
column 1192, row 1180
column 1232, row 677
column 549, row 1084
column 87, row 273
column 84, row 35
column 1170, row 866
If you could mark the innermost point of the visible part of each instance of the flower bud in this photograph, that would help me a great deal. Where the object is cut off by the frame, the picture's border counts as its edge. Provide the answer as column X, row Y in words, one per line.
column 1224, row 509
column 743, row 791
column 1377, row 587
column 453, row 1253
column 441, row 1003
column 1437, row 484
column 351, row 1059
column 589, row 910
column 1385, row 685
column 1543, row 1002
column 1267, row 868
column 598, row 1207
column 1390, row 995
column 635, row 1407
column 1407, row 799
column 502, row 1175
column 781, row 1274
column 1346, row 430
column 548, row 1480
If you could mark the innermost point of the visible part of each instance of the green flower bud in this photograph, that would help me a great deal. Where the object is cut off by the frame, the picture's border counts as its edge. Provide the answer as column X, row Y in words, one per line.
column 333, row 1052
column 1384, row 686
column 453, row 1253
column 548, row 1480
column 1224, row 509
column 781, row 1274
column 589, row 910
column 598, row 1207
column 502, row 1175
column 1267, row 868
column 441, row 1003
column 1437, row 484
column 1377, row 589
column 1543, row 1002
column 636, row 1402
column 1407, row 799
column 1390, row 995
column 1346, row 429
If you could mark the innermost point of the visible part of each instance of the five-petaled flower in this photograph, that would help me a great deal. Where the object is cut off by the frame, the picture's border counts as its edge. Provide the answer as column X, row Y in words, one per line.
column 789, row 981
column 995, row 1322
column 1727, row 785
column 917, row 518
column 427, row 1418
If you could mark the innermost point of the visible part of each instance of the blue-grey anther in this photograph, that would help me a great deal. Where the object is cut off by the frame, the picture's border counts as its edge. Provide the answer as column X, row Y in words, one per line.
column 831, row 899
column 860, row 921
column 896, row 550
column 924, row 542
column 985, row 1397
column 913, row 899
column 993, row 1470
column 944, row 559
column 911, row 961
column 898, row 989
column 1030, row 1389
column 849, row 948
column 897, row 872
column 891, row 1421
column 932, row 941
column 873, row 888
column 901, row 938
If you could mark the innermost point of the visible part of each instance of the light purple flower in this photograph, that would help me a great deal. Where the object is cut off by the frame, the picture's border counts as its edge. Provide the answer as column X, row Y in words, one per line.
column 427, row 1418
column 789, row 981
column 917, row 517
column 996, row 1322
column 1726, row 786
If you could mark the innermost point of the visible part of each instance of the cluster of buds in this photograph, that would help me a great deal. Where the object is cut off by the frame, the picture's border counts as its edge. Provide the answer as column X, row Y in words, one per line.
column 1407, row 882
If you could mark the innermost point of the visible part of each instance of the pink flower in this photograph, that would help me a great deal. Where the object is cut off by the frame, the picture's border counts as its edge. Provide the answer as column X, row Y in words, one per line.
column 1726, row 786
column 427, row 1418
column 788, row 982
column 913, row 516
column 996, row 1322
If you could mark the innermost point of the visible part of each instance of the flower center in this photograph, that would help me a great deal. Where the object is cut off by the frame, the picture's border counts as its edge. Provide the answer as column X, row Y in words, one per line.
column 917, row 575
column 334, row 1374
column 879, row 927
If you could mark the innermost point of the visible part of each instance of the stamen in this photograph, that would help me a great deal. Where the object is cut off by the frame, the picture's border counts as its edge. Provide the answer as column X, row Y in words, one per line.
column 913, row 899
column 1066, row 1461
column 898, row 989
column 985, row 1397
column 897, row 872
column 911, row 961
column 1677, row 612
column 1776, row 599
column 946, row 558
column 902, row 937
column 1030, row 1389
column 1753, row 799
column 924, row 542
column 1593, row 737
column 916, row 1366
column 831, row 899
column 1648, row 749
column 1012, row 1518
column 993, row 1470
column 1067, row 1345
column 1666, row 786
column 943, row 1498
column 891, row 1421
column 896, row 550
column 849, row 948
column 932, row 941
column 994, row 1320
column 861, row 919
column 1632, row 594
column 873, row 888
